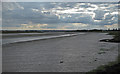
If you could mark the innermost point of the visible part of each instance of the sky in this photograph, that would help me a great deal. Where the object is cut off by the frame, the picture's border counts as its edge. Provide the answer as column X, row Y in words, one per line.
column 59, row 15
column 59, row 0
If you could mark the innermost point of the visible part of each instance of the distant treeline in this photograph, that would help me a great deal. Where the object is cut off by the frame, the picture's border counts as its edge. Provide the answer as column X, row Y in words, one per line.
column 40, row 31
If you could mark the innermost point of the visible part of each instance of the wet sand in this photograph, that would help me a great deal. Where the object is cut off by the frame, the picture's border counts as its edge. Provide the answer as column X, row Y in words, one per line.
column 80, row 53
column 17, row 38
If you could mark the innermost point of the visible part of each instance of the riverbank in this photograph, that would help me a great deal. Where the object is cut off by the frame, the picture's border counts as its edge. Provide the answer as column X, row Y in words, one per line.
column 111, row 66
column 116, row 37
column 80, row 53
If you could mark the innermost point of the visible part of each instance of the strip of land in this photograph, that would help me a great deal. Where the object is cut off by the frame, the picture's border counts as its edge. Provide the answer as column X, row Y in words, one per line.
column 25, row 37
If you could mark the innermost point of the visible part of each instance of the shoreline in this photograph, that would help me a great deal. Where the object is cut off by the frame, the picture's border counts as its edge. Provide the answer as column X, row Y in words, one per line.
column 111, row 66
column 46, row 55
column 40, row 38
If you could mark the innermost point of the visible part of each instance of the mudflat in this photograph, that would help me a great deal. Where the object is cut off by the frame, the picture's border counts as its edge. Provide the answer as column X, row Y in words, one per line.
column 80, row 53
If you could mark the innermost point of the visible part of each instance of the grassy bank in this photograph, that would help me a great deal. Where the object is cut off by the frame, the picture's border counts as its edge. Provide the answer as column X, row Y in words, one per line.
column 116, row 37
column 111, row 66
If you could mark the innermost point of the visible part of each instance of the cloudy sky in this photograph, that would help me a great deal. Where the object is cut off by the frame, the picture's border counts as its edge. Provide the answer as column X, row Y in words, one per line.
column 59, row 15
column 59, row 0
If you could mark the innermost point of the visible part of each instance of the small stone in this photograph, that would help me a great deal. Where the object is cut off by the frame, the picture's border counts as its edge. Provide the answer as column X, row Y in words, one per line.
column 61, row 61
column 95, row 60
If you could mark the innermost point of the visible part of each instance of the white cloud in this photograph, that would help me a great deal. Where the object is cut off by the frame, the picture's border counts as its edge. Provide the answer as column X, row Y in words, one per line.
column 95, row 6
column 39, row 25
column 114, row 13
column 35, row 10
column 106, row 15
column 80, row 24
column 32, row 26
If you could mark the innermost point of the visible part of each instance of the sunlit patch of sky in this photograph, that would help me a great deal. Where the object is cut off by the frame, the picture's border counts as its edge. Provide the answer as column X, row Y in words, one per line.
column 59, row 15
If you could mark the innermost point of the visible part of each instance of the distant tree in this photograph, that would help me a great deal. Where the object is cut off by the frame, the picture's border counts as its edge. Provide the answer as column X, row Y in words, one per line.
column 108, row 29
column 119, row 29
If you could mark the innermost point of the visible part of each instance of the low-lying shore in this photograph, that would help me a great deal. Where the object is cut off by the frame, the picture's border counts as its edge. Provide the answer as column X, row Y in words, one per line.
column 81, row 53
column 112, row 66
column 116, row 37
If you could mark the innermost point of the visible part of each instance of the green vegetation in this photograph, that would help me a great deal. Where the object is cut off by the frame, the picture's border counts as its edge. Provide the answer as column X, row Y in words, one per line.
column 116, row 37
column 110, row 67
